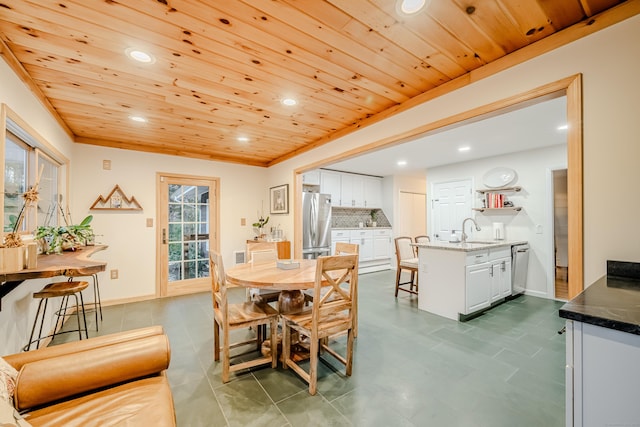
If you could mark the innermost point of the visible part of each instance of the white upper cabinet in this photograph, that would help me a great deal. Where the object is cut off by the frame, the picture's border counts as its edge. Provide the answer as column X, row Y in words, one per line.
column 351, row 190
column 330, row 184
column 311, row 177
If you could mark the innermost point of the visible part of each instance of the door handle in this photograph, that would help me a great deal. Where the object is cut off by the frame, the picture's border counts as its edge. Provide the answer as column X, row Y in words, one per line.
column 164, row 236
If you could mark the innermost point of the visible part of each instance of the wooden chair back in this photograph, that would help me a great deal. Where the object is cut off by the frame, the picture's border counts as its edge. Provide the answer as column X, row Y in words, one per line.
column 218, row 283
column 262, row 251
column 420, row 239
column 332, row 272
column 404, row 250
column 344, row 248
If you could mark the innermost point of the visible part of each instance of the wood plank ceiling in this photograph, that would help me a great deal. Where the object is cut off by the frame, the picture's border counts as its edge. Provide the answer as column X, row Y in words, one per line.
column 222, row 67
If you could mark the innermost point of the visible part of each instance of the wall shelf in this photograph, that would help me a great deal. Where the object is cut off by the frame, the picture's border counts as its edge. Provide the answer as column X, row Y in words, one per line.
column 508, row 208
column 117, row 200
column 499, row 190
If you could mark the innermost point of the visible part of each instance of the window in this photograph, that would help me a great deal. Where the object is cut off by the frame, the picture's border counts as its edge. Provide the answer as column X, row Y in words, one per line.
column 25, row 157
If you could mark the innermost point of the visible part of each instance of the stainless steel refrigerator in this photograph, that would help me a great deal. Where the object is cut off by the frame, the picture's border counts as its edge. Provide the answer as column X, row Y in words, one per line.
column 316, row 225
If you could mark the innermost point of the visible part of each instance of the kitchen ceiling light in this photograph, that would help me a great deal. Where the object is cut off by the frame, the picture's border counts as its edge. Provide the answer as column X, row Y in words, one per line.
column 402, row 163
column 289, row 102
column 410, row 7
column 563, row 127
column 138, row 119
column 140, row 56
column 465, row 148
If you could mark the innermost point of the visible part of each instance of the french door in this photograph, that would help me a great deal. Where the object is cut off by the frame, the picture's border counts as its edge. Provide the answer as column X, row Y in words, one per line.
column 187, row 228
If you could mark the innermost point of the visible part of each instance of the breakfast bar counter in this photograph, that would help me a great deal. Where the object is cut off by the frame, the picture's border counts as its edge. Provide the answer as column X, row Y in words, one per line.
column 68, row 263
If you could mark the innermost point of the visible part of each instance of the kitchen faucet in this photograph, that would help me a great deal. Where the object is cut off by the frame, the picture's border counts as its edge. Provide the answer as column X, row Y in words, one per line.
column 463, row 238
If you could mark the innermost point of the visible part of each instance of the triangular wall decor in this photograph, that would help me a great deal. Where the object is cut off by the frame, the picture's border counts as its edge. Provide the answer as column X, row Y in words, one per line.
column 116, row 200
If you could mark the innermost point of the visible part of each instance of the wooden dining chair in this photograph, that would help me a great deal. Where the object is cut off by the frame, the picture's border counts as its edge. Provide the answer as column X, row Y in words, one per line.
column 262, row 252
column 330, row 314
column 228, row 317
column 406, row 260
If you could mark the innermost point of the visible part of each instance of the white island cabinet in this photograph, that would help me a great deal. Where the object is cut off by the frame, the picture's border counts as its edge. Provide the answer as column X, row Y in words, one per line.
column 603, row 350
column 457, row 280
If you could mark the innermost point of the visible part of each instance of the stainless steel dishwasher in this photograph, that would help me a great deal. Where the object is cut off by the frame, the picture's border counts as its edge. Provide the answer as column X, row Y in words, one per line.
column 519, row 266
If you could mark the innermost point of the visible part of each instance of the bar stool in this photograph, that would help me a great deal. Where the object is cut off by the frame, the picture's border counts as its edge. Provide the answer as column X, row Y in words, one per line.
column 55, row 290
column 97, row 303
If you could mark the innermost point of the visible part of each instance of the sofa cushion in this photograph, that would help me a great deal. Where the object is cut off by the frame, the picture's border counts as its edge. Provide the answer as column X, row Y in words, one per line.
column 145, row 402
column 8, row 375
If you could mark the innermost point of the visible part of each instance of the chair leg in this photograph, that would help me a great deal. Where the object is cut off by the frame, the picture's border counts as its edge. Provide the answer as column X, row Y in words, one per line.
column 286, row 344
column 274, row 342
column 399, row 271
column 313, row 366
column 226, row 363
column 216, row 341
column 349, row 365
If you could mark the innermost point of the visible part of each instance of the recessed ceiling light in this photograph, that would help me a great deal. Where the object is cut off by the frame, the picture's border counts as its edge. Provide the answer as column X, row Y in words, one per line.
column 140, row 56
column 402, row 163
column 409, row 7
column 563, row 127
column 289, row 102
column 465, row 148
column 243, row 139
column 138, row 119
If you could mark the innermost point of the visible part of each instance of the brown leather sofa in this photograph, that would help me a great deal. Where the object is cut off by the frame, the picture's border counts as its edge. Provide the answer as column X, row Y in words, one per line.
column 116, row 379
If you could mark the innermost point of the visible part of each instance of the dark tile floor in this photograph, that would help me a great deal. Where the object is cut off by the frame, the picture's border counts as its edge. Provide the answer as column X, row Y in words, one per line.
column 411, row 368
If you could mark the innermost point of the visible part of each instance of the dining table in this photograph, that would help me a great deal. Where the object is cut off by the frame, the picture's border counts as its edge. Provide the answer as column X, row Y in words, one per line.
column 267, row 275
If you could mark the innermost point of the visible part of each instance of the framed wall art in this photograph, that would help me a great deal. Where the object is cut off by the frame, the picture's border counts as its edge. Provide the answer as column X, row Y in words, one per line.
column 279, row 199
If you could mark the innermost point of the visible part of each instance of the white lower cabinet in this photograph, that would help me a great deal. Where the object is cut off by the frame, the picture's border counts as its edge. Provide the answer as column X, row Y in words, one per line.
column 602, row 376
column 477, row 287
column 382, row 243
column 374, row 246
column 487, row 278
column 364, row 238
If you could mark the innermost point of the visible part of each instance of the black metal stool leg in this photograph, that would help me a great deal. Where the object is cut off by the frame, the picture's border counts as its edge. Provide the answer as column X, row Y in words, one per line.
column 35, row 322
column 97, row 293
column 84, row 316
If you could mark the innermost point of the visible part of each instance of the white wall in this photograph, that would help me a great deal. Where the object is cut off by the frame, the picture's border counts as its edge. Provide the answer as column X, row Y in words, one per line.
column 532, row 169
column 132, row 245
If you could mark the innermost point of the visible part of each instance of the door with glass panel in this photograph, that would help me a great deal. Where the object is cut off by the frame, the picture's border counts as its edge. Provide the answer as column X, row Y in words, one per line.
column 187, row 228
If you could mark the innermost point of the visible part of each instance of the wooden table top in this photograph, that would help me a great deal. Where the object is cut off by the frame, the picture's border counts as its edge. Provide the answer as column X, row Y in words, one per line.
column 267, row 275
column 68, row 263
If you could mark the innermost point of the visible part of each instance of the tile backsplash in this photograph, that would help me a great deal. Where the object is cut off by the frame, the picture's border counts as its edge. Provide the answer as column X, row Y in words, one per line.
column 351, row 218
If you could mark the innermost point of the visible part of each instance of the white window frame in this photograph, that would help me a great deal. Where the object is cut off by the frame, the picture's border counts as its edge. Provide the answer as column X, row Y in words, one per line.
column 39, row 148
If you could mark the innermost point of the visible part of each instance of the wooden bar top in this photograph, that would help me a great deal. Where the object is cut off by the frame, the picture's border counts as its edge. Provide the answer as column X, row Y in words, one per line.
column 68, row 263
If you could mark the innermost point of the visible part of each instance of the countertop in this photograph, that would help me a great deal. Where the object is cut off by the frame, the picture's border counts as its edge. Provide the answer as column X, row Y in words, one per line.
column 472, row 245
column 611, row 302
column 359, row 228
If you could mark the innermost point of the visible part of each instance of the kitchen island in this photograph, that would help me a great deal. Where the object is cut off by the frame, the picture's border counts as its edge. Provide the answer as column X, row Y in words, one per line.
column 603, row 350
column 460, row 280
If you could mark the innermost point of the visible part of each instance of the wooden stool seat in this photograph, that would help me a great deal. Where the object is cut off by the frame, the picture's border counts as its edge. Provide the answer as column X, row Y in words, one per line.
column 62, row 290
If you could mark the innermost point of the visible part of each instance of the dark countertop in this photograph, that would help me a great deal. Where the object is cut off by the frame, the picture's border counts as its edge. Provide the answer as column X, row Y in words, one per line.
column 611, row 302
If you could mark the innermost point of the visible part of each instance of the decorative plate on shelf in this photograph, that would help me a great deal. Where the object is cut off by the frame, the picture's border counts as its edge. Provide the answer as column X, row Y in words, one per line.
column 499, row 177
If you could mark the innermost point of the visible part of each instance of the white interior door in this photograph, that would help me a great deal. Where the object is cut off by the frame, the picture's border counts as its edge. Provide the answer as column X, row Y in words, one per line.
column 413, row 214
column 451, row 204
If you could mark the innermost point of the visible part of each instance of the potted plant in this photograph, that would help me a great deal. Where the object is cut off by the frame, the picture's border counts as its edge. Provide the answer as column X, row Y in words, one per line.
column 55, row 239
column 259, row 225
